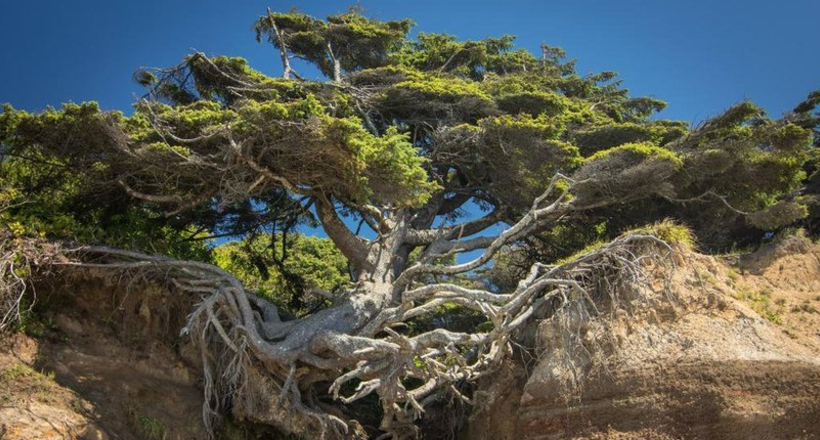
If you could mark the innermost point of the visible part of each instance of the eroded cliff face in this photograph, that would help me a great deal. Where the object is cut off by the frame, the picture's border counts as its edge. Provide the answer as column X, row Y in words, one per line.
column 103, row 361
column 728, row 353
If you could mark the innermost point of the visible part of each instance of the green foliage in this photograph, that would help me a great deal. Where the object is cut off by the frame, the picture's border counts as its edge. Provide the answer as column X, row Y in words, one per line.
column 416, row 96
column 467, row 59
column 625, row 173
column 279, row 268
column 603, row 137
column 188, row 120
column 40, row 381
column 757, row 163
column 520, row 154
column 149, row 428
column 532, row 103
column 637, row 152
column 47, row 196
column 215, row 79
column 393, row 168
column 668, row 231
column 760, row 302
column 387, row 168
column 778, row 214
column 640, row 108
column 404, row 123
column 353, row 40
column 441, row 88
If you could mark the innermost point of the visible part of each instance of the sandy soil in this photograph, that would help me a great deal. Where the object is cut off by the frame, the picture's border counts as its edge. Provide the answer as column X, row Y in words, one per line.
column 733, row 354
column 105, row 365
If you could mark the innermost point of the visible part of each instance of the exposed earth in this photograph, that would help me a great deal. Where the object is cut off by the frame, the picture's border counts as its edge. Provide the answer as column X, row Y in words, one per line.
column 731, row 350
column 105, row 365
column 732, row 354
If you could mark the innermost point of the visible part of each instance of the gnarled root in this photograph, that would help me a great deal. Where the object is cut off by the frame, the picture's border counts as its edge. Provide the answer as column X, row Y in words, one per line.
column 283, row 373
column 18, row 258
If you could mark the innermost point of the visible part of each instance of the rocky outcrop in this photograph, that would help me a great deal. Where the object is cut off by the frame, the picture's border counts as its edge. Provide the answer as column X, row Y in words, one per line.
column 699, row 363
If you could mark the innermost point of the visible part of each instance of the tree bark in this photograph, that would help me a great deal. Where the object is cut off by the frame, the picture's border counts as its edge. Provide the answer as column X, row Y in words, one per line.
column 283, row 48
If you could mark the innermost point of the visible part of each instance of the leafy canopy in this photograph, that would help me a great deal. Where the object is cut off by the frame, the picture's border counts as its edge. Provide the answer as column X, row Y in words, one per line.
column 425, row 124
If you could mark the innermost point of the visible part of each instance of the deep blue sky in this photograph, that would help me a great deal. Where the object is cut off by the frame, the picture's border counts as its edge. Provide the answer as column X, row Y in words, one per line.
column 700, row 56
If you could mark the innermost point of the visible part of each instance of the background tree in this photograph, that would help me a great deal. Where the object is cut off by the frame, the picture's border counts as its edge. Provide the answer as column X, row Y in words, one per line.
column 430, row 143
column 284, row 268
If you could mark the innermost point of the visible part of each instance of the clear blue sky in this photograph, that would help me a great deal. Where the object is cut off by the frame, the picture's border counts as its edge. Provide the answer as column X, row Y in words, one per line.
column 700, row 56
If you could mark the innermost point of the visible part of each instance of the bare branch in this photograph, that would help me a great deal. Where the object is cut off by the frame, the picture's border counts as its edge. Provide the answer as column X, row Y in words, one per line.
column 523, row 227
column 710, row 194
column 352, row 246
column 337, row 67
column 455, row 232
column 283, row 48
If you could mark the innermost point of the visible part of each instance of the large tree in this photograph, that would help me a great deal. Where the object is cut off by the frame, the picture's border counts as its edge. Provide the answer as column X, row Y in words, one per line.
column 430, row 143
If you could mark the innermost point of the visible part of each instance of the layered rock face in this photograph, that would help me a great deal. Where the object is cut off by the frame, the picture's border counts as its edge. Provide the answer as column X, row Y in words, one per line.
column 698, row 362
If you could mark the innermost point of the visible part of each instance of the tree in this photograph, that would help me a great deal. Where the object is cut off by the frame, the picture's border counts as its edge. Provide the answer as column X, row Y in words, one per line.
column 283, row 267
column 404, row 138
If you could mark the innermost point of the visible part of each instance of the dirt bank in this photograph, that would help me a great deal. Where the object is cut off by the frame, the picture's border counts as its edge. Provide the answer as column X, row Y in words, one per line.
column 731, row 354
column 730, row 351
column 102, row 361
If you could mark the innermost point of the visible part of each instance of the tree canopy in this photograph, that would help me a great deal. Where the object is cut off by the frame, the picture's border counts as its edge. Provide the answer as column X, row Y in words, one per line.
column 426, row 141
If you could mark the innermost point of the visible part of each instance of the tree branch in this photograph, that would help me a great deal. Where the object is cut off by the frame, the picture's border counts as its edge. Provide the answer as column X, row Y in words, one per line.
column 337, row 67
column 712, row 194
column 524, row 226
column 466, row 229
column 352, row 246
column 283, row 48
column 453, row 203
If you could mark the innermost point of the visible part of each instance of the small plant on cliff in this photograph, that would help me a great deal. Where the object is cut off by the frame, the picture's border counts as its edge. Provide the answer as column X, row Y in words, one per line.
column 150, row 428
column 760, row 302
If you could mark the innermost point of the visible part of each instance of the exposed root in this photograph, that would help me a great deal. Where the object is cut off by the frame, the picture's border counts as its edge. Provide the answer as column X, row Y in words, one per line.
column 285, row 373
column 279, row 373
column 579, row 335
column 18, row 258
